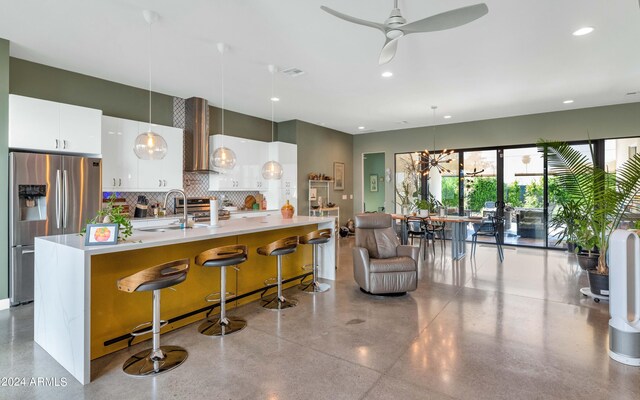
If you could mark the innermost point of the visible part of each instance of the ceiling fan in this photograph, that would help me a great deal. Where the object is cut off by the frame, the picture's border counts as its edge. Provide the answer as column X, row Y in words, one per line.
column 396, row 27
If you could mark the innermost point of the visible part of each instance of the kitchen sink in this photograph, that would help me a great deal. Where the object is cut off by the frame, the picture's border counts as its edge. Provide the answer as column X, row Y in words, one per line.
column 170, row 228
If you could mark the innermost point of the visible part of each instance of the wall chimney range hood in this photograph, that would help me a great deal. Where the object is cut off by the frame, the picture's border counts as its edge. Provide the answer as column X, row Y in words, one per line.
column 196, row 136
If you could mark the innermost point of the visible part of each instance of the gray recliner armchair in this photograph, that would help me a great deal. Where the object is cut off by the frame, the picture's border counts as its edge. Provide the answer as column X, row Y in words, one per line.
column 380, row 264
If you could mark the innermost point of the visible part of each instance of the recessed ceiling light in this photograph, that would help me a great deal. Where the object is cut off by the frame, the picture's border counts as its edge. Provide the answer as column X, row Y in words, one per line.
column 361, row 128
column 583, row 31
column 275, row 99
column 568, row 101
column 387, row 74
column 447, row 117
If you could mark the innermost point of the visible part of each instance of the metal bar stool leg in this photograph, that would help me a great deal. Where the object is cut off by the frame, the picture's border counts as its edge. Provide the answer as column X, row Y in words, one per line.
column 223, row 325
column 278, row 302
column 315, row 286
column 159, row 358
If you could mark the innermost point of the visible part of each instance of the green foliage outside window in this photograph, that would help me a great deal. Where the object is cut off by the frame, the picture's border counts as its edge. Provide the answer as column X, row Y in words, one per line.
column 482, row 190
column 512, row 194
column 533, row 194
column 450, row 191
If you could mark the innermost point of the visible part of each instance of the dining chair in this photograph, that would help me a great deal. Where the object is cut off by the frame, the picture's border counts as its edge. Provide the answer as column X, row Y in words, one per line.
column 435, row 230
column 488, row 227
column 416, row 228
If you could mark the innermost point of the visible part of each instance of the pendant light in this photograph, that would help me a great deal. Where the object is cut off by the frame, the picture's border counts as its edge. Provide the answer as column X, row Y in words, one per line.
column 223, row 158
column 150, row 145
column 432, row 160
column 272, row 170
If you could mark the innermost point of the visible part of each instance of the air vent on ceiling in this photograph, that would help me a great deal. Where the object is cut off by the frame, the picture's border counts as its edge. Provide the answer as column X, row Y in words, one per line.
column 293, row 72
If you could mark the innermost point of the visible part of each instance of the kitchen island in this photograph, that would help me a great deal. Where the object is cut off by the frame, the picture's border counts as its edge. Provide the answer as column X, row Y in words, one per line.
column 79, row 315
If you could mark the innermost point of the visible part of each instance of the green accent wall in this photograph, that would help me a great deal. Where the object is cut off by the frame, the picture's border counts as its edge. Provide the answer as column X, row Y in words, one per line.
column 614, row 121
column 114, row 99
column 241, row 125
column 318, row 149
column 373, row 164
column 287, row 131
column 4, row 168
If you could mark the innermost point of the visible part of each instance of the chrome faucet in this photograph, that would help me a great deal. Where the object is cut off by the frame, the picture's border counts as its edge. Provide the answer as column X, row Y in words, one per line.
column 184, row 198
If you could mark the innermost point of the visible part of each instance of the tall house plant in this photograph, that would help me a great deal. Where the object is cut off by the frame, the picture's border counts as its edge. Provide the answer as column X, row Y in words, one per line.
column 603, row 197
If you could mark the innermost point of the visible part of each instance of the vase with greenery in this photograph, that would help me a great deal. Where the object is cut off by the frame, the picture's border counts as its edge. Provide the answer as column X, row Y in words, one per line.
column 602, row 197
column 113, row 214
column 408, row 189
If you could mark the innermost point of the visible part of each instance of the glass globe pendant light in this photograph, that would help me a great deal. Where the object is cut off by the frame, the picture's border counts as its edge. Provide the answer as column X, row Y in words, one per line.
column 222, row 158
column 272, row 170
column 150, row 145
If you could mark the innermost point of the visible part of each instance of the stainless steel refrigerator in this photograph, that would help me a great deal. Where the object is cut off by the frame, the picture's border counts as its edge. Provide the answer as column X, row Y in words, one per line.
column 49, row 194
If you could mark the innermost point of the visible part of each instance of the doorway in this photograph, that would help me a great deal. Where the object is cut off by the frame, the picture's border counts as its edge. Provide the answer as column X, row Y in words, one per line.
column 373, row 182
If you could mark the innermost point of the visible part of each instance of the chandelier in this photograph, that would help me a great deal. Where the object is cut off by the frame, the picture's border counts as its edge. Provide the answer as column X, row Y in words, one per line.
column 434, row 160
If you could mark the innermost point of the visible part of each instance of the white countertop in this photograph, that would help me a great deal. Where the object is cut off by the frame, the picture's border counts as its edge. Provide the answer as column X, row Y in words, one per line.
column 144, row 239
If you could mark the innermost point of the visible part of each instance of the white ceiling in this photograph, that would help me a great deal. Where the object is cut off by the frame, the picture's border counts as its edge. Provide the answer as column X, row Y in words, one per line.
column 519, row 59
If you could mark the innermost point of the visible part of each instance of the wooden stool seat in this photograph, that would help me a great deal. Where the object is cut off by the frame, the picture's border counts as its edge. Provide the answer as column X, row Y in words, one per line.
column 316, row 237
column 222, row 257
column 279, row 247
column 156, row 277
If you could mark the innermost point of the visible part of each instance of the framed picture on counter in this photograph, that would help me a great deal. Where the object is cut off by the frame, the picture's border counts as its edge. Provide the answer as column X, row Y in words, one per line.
column 101, row 234
column 338, row 176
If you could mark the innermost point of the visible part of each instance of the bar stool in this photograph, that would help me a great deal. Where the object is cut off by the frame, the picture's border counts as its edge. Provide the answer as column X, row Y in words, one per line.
column 279, row 248
column 222, row 257
column 158, row 359
column 315, row 238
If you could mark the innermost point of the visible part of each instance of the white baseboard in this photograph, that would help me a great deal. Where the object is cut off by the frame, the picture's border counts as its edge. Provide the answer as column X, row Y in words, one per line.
column 4, row 304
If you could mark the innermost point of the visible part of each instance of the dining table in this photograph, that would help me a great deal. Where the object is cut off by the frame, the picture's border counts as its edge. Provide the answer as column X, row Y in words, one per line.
column 458, row 231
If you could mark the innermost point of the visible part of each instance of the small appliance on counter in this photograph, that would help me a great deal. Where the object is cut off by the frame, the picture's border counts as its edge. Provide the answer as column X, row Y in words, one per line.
column 141, row 207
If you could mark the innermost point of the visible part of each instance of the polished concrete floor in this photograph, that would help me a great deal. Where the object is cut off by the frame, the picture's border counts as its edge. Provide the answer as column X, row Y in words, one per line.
column 474, row 329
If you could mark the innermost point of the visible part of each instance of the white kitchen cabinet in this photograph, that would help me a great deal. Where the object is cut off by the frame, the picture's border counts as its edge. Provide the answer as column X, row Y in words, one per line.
column 119, row 163
column 286, row 188
column 165, row 174
column 43, row 125
column 246, row 176
column 80, row 129
column 121, row 168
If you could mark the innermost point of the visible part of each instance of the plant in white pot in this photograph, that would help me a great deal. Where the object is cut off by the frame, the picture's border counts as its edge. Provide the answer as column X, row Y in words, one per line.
column 604, row 197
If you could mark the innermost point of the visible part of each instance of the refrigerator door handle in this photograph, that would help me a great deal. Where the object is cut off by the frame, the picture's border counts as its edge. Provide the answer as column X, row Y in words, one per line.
column 28, row 251
column 66, row 198
column 58, row 199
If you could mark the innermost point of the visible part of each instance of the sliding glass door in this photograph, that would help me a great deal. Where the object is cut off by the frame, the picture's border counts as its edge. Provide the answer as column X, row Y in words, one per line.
column 523, row 182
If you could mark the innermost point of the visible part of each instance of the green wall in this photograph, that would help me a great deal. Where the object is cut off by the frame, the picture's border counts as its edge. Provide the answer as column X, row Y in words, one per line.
column 287, row 131
column 373, row 164
column 241, row 125
column 4, row 168
column 114, row 99
column 318, row 149
column 621, row 120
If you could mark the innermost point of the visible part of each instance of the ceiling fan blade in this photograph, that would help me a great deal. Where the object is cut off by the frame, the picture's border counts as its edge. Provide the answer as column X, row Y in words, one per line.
column 446, row 20
column 388, row 51
column 353, row 19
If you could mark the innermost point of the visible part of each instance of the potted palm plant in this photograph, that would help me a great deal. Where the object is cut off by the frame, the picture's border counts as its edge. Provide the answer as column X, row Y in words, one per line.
column 564, row 220
column 603, row 197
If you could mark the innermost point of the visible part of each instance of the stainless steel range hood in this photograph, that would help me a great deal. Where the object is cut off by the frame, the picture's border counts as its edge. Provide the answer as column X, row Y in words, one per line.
column 196, row 136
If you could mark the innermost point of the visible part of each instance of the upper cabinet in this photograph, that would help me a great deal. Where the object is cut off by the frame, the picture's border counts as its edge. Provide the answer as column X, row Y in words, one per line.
column 123, row 171
column 43, row 125
column 165, row 174
column 247, row 174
